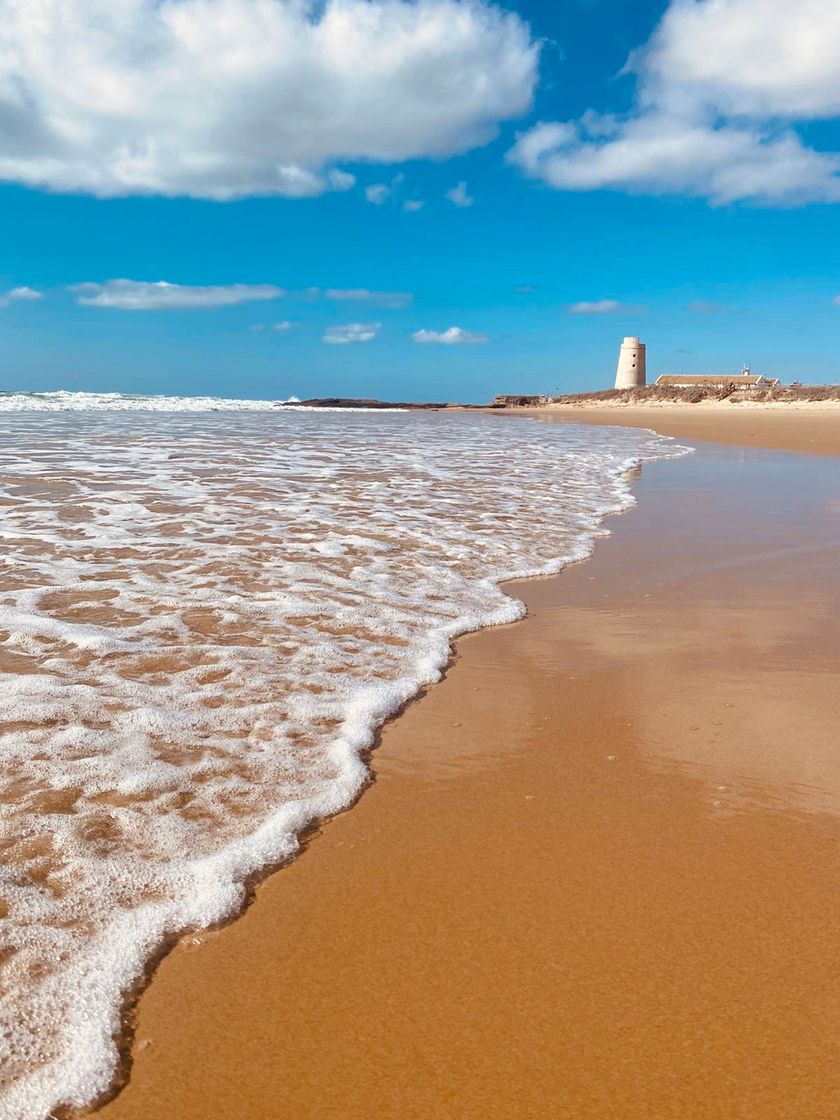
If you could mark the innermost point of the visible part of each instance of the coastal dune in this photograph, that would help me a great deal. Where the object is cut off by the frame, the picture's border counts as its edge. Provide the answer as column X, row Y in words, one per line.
column 596, row 875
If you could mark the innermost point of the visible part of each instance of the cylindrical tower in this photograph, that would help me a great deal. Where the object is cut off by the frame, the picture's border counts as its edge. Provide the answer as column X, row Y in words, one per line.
column 631, row 372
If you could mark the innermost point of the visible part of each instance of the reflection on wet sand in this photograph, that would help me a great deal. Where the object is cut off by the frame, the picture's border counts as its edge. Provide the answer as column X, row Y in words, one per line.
column 546, row 905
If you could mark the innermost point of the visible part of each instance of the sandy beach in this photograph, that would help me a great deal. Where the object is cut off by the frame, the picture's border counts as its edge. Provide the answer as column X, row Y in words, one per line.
column 596, row 873
column 810, row 427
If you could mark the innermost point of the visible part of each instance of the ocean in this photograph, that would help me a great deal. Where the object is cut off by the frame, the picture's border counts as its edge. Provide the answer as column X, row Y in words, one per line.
column 207, row 608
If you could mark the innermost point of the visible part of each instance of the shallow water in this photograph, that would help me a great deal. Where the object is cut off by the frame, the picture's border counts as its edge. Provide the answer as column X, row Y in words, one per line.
column 204, row 616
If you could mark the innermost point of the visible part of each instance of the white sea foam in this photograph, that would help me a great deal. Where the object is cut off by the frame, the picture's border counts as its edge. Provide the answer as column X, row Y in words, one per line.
column 64, row 401
column 203, row 619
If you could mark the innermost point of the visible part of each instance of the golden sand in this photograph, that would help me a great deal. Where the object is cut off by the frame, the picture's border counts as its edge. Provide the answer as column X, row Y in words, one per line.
column 596, row 877
column 814, row 428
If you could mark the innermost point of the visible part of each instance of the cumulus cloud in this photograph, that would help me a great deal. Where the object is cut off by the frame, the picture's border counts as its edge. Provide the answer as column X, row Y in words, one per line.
column 601, row 307
column 454, row 336
column 337, row 179
column 412, row 205
column 458, row 195
column 751, row 57
column 366, row 295
column 721, row 85
column 377, row 193
column 351, row 332
column 19, row 295
column 221, row 99
column 141, row 295
column 659, row 153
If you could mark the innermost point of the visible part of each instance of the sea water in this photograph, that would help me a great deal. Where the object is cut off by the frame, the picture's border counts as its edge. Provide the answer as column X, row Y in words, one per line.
column 206, row 610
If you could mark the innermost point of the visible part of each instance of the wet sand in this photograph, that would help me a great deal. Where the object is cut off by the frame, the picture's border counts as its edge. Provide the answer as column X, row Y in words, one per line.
column 597, row 874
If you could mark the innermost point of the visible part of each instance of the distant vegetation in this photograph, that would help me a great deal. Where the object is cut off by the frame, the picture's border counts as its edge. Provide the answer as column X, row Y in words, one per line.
column 698, row 393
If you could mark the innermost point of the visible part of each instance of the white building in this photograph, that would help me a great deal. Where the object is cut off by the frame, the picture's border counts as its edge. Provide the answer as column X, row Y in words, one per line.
column 631, row 372
column 746, row 379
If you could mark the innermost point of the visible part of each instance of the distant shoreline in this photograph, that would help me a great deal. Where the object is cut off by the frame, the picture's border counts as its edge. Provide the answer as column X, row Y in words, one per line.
column 361, row 402
column 818, row 398
column 809, row 427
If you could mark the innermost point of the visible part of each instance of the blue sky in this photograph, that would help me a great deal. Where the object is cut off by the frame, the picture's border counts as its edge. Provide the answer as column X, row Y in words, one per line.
column 691, row 198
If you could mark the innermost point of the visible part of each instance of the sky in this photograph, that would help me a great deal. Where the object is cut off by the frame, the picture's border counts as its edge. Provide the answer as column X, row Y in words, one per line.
column 415, row 199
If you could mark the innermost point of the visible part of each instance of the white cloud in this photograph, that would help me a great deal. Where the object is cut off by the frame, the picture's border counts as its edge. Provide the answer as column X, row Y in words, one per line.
column 658, row 153
column 412, row 205
column 754, row 58
column 24, row 293
column 140, row 295
column 365, row 295
column 377, row 193
column 337, row 179
column 601, row 307
column 458, row 195
column 225, row 98
column 720, row 86
column 351, row 332
column 19, row 295
column 454, row 336
column 277, row 328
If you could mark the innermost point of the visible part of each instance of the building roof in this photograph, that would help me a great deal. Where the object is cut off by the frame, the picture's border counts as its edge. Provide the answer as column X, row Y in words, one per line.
column 747, row 379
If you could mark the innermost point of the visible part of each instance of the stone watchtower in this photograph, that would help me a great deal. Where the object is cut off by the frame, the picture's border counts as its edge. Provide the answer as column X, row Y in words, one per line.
column 631, row 372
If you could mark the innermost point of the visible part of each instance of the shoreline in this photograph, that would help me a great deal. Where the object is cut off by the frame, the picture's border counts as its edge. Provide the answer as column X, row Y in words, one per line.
column 166, row 1081
column 313, row 829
